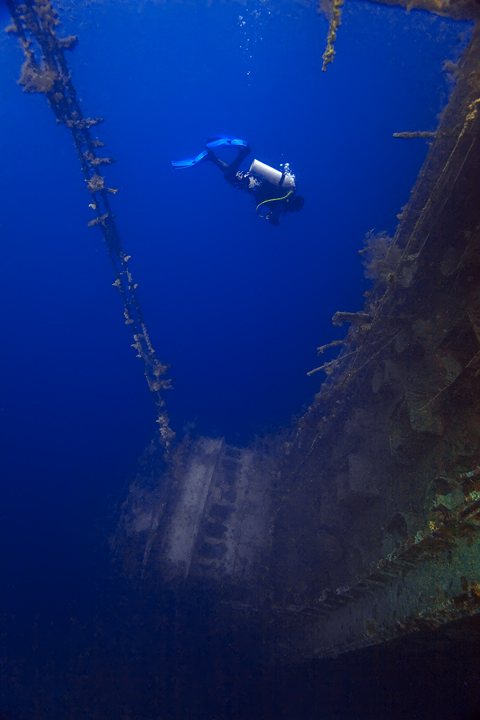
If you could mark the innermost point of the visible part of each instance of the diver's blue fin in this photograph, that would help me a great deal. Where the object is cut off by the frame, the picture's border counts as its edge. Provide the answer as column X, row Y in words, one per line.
column 189, row 162
column 219, row 140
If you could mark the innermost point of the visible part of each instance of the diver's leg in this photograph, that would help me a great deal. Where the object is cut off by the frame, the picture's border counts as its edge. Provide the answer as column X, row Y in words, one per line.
column 232, row 169
column 211, row 157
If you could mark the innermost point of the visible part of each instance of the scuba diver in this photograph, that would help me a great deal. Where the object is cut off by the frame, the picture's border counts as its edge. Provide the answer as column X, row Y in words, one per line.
column 274, row 191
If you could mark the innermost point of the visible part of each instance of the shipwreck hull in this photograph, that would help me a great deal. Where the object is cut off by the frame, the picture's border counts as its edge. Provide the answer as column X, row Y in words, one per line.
column 359, row 524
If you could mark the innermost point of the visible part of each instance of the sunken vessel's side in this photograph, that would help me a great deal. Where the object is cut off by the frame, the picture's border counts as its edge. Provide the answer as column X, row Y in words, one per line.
column 360, row 524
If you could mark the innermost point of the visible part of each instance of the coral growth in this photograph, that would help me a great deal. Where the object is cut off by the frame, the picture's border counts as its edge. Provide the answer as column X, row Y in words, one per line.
column 334, row 14
column 37, row 79
column 380, row 256
column 449, row 66
column 47, row 16
column 96, row 183
column 416, row 134
column 82, row 123
column 68, row 43
column 98, row 221
column 325, row 8
column 96, row 160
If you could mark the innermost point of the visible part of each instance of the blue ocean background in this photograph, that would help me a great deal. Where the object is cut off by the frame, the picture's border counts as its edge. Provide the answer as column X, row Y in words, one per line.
column 235, row 306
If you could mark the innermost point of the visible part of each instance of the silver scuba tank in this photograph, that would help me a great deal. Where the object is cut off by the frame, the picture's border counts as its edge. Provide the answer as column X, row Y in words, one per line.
column 274, row 177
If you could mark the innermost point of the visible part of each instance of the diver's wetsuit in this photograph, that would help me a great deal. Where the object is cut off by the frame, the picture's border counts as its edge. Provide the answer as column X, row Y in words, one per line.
column 244, row 180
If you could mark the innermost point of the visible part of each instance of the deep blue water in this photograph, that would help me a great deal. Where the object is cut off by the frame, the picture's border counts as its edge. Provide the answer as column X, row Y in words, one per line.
column 235, row 306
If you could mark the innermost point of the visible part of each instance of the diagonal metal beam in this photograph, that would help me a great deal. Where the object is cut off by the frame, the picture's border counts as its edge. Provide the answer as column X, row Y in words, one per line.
column 45, row 70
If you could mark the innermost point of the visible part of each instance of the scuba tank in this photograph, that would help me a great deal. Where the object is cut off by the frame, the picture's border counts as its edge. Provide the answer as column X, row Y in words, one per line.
column 272, row 176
